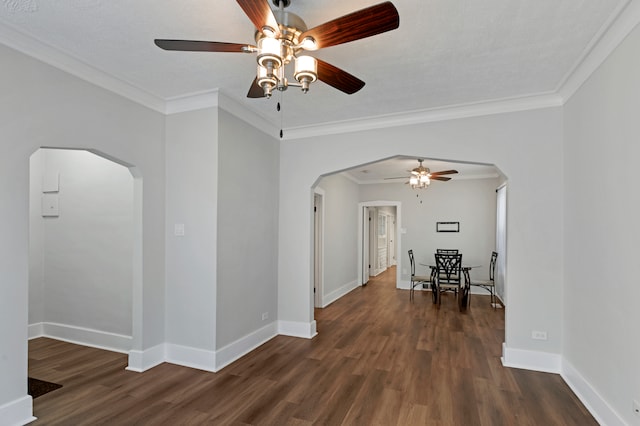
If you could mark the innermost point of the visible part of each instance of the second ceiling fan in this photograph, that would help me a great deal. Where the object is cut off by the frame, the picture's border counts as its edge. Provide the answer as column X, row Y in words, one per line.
column 282, row 37
column 421, row 176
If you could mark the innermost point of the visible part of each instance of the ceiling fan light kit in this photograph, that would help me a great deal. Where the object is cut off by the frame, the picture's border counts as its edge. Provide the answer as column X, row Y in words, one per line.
column 282, row 38
column 421, row 177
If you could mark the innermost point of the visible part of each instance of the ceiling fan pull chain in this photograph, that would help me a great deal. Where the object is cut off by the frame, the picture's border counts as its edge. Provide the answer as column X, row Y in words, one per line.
column 280, row 111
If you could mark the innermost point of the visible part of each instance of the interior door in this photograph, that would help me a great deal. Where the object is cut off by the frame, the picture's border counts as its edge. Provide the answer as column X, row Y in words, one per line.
column 391, row 243
column 382, row 243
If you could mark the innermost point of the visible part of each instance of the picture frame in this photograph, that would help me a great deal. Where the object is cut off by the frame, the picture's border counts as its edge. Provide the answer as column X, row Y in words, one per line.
column 447, row 226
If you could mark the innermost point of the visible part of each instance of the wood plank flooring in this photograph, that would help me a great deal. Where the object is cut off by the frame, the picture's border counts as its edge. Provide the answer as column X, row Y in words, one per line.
column 378, row 359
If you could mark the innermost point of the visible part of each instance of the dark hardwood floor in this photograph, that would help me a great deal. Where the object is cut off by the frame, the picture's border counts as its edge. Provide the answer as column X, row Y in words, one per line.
column 378, row 360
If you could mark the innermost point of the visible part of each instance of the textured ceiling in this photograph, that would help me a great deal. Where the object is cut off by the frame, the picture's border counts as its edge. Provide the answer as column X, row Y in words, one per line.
column 446, row 52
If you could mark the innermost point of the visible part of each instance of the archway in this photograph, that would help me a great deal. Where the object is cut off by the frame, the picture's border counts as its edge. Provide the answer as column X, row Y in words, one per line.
column 88, row 267
column 474, row 204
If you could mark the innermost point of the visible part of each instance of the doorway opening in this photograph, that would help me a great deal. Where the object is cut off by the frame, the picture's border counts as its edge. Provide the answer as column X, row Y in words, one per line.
column 85, row 257
column 465, row 195
column 379, row 245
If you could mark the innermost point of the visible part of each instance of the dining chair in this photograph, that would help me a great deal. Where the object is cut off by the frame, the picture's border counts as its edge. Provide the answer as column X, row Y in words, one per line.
column 490, row 284
column 416, row 279
column 449, row 278
column 447, row 251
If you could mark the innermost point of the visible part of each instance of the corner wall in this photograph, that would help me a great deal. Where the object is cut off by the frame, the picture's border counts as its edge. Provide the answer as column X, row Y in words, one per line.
column 340, row 272
column 601, row 348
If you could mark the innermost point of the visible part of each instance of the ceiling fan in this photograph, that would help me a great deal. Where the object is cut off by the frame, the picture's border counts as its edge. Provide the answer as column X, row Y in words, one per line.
column 283, row 37
column 421, row 176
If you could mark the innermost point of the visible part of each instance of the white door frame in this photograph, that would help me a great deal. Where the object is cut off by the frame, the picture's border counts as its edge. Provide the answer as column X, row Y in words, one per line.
column 361, row 238
column 318, row 247
column 366, row 261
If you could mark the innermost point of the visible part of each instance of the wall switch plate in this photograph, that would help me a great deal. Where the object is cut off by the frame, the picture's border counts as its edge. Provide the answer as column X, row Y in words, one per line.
column 50, row 205
column 539, row 335
column 636, row 408
column 265, row 315
column 178, row 229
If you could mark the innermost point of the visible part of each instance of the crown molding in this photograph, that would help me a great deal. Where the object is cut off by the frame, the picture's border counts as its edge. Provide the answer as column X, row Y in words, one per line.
column 191, row 102
column 250, row 117
column 28, row 45
column 428, row 115
column 612, row 33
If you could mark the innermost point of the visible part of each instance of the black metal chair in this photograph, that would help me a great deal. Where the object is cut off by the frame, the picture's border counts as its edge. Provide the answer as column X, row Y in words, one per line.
column 447, row 251
column 416, row 279
column 450, row 276
column 490, row 284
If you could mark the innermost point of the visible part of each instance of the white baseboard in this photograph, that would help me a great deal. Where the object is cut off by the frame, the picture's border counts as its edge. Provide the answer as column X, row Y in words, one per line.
column 140, row 361
column 338, row 293
column 202, row 359
column 36, row 330
column 18, row 412
column 531, row 360
column 81, row 336
column 597, row 406
column 306, row 330
column 405, row 285
column 236, row 350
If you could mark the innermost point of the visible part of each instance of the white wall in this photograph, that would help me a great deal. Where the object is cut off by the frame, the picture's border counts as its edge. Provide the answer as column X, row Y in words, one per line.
column 472, row 202
column 85, row 253
column 602, row 206
column 191, row 260
column 42, row 106
column 518, row 143
column 36, row 238
column 340, row 266
column 247, row 230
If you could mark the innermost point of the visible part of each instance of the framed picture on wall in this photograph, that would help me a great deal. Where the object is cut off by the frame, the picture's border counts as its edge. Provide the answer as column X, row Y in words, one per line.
column 447, row 226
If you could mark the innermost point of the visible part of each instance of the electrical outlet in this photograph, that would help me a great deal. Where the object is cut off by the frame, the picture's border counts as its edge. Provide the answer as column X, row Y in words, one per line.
column 265, row 315
column 539, row 335
column 636, row 408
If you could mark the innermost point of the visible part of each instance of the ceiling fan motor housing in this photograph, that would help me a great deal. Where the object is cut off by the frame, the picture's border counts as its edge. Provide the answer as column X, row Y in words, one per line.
column 285, row 3
column 291, row 26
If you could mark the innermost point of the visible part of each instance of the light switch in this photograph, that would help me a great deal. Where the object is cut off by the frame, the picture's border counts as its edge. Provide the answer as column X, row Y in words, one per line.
column 178, row 229
column 50, row 205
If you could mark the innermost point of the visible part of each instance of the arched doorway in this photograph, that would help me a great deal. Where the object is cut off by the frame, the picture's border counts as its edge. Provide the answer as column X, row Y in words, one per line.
column 85, row 257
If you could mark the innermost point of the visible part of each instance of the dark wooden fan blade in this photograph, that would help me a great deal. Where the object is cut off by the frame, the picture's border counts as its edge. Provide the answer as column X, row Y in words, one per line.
column 337, row 78
column 442, row 178
column 200, row 46
column 260, row 14
column 364, row 23
column 255, row 91
column 444, row 172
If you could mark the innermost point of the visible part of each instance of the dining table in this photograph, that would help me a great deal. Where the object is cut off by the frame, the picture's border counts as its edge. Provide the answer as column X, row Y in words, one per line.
column 466, row 288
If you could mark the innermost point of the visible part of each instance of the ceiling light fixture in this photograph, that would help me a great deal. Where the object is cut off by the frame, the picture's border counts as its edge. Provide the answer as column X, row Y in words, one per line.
column 420, row 177
column 277, row 50
column 283, row 37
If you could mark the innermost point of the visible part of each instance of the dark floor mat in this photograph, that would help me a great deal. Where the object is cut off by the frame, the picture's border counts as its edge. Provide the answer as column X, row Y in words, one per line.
column 40, row 387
